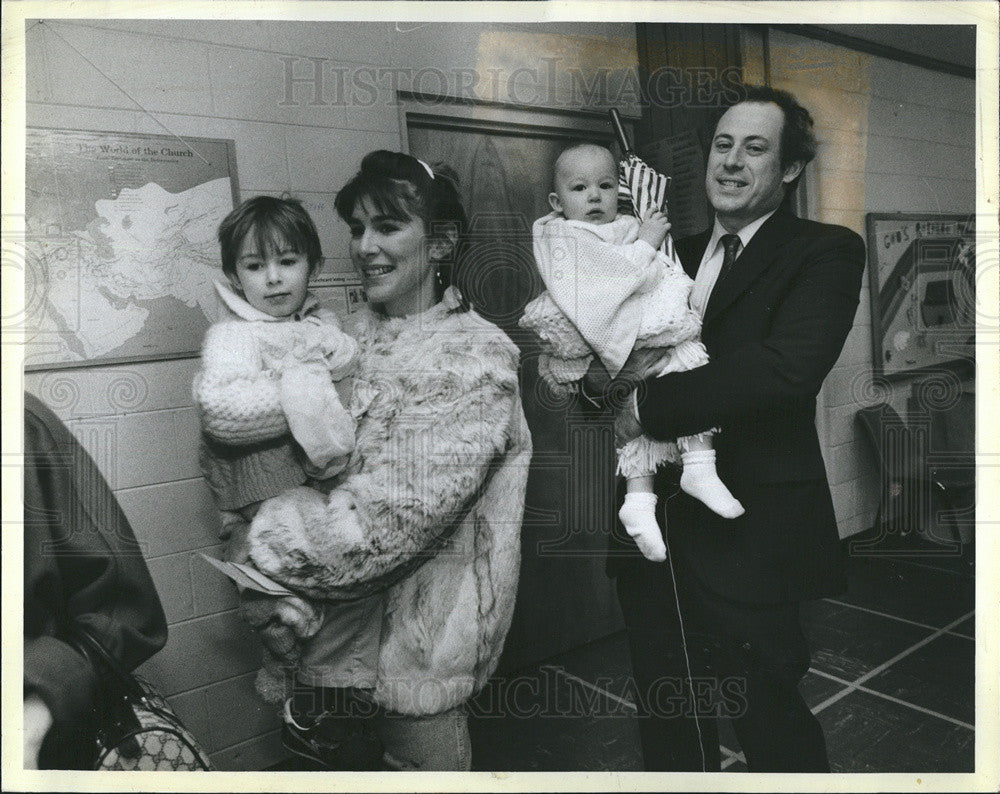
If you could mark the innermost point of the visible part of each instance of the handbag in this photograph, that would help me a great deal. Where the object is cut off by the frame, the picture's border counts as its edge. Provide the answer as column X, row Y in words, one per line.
column 136, row 729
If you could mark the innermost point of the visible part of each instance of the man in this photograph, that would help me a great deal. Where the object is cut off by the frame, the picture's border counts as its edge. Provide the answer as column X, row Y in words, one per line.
column 716, row 629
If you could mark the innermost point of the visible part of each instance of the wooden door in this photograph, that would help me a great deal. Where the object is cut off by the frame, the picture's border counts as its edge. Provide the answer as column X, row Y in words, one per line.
column 504, row 171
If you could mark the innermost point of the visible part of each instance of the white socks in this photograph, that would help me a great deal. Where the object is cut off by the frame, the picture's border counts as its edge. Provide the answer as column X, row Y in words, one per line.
column 638, row 514
column 700, row 480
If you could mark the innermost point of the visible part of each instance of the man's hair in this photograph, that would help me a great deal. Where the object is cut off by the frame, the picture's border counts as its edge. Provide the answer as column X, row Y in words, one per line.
column 798, row 141
column 272, row 222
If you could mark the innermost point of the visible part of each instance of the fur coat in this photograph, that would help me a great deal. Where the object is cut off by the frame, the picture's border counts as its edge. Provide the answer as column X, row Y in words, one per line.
column 430, row 504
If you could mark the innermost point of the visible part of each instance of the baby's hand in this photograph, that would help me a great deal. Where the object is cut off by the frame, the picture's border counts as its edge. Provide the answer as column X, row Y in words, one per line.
column 654, row 228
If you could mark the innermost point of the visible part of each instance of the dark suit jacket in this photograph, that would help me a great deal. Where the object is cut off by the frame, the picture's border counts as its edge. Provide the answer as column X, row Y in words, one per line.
column 773, row 327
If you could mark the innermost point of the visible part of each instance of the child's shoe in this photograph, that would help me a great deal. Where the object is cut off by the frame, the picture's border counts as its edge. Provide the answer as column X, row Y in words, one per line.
column 334, row 741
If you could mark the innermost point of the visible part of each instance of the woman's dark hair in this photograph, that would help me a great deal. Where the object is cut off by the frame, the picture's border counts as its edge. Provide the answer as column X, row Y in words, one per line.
column 273, row 222
column 400, row 187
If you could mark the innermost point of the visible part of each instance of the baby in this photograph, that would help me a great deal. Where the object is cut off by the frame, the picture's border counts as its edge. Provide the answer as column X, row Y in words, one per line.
column 267, row 391
column 609, row 290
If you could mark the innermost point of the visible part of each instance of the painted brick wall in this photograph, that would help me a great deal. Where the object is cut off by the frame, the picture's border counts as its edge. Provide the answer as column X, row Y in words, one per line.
column 227, row 80
column 894, row 138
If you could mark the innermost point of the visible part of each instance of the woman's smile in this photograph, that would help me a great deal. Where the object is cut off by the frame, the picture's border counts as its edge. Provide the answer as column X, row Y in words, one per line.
column 391, row 255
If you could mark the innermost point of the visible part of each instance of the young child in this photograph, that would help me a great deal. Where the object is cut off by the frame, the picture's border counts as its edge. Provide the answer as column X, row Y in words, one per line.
column 609, row 290
column 271, row 414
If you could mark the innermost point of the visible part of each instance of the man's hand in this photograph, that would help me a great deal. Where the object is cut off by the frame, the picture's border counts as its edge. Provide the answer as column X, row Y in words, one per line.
column 640, row 364
column 627, row 427
column 654, row 228
column 599, row 385
column 596, row 381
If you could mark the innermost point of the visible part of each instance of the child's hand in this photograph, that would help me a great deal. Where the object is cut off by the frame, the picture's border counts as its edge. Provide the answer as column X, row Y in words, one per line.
column 654, row 228
column 281, row 621
column 312, row 343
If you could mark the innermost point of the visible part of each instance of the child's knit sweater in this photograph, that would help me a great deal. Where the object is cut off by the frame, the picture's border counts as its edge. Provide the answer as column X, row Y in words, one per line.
column 248, row 451
column 607, row 292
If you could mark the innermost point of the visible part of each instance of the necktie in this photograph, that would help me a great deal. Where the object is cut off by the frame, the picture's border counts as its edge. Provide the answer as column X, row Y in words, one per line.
column 730, row 244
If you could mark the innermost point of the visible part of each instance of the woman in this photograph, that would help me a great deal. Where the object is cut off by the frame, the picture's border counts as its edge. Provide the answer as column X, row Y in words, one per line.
column 431, row 503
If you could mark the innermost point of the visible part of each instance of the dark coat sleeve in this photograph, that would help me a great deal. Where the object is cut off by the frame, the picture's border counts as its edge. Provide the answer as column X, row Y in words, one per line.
column 82, row 566
column 807, row 333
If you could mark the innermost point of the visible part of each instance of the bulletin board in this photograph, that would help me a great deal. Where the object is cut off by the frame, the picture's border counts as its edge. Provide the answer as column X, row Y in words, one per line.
column 922, row 274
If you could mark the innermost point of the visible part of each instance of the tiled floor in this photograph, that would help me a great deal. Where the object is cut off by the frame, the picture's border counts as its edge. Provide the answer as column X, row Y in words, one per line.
column 891, row 682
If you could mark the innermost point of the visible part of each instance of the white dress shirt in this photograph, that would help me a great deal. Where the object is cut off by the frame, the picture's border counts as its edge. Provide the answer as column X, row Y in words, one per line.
column 709, row 269
column 711, row 260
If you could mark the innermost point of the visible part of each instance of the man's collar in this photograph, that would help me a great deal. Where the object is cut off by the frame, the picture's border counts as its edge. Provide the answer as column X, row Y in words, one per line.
column 745, row 234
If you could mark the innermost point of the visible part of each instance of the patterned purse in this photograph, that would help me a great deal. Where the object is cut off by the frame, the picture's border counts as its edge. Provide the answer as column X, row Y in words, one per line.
column 136, row 729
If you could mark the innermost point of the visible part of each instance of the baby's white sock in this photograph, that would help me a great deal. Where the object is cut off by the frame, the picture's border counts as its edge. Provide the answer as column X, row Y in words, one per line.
column 638, row 514
column 700, row 480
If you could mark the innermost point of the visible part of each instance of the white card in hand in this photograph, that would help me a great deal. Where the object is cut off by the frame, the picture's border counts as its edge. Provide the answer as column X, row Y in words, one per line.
column 249, row 577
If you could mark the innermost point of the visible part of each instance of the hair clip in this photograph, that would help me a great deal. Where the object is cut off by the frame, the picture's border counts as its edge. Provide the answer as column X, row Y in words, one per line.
column 427, row 168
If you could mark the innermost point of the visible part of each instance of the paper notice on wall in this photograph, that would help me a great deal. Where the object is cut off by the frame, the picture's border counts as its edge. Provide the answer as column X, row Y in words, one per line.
column 341, row 292
column 249, row 577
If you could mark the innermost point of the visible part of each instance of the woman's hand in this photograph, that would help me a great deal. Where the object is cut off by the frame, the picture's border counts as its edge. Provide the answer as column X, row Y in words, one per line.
column 654, row 228
column 37, row 721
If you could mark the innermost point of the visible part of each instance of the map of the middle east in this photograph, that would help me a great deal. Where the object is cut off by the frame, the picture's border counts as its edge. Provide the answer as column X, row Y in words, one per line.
column 120, row 244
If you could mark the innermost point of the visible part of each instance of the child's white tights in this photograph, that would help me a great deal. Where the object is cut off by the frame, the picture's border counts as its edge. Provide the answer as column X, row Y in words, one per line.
column 698, row 479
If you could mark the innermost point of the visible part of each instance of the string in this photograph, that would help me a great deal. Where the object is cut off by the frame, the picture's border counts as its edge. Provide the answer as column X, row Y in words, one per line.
column 687, row 661
column 427, row 168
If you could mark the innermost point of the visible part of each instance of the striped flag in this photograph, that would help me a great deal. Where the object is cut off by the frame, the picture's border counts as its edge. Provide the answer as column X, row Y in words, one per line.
column 640, row 186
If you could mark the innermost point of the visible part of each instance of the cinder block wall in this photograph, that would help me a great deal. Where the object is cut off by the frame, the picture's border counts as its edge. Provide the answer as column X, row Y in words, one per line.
column 894, row 138
column 228, row 80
